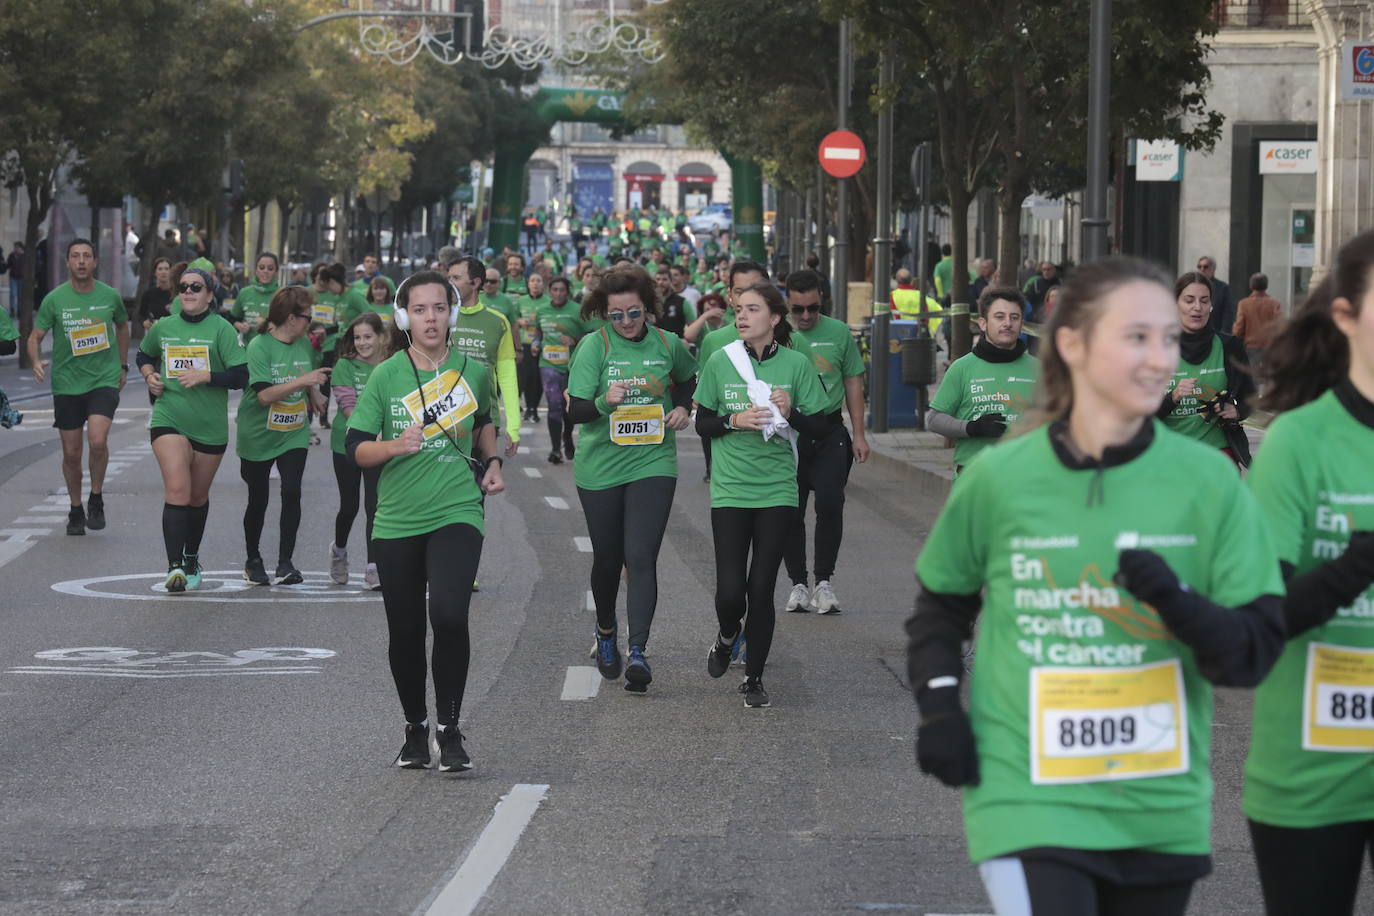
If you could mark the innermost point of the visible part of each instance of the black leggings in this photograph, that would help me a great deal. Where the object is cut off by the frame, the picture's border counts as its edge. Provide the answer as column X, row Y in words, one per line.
column 444, row 561
column 823, row 467
column 745, row 584
column 1312, row 871
column 257, row 474
column 1054, row 888
column 626, row 524
column 349, row 475
column 530, row 383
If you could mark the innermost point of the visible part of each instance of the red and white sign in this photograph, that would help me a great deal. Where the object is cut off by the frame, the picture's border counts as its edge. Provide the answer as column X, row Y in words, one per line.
column 842, row 153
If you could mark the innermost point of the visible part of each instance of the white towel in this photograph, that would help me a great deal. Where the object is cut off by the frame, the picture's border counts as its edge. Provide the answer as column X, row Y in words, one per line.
column 760, row 394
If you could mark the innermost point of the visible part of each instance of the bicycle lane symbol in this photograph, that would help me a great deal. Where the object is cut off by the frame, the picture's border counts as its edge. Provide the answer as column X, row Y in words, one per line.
column 117, row 661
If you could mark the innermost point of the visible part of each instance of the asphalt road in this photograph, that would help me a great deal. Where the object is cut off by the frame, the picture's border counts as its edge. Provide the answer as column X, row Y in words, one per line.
column 229, row 751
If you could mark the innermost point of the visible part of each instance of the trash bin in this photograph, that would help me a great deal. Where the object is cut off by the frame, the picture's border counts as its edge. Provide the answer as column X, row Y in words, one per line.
column 918, row 361
column 904, row 400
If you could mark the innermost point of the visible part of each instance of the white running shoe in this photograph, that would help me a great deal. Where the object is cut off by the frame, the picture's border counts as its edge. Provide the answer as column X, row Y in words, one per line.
column 371, row 578
column 799, row 602
column 338, row 565
column 824, row 596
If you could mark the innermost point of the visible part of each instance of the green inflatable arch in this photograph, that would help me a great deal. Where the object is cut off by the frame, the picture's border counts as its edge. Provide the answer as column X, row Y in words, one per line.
column 604, row 107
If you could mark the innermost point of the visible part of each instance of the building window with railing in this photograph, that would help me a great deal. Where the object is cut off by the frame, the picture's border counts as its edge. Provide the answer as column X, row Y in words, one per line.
column 1260, row 14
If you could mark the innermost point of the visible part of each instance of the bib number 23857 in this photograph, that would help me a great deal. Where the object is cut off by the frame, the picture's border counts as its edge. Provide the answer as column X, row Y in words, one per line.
column 285, row 417
column 638, row 425
column 1338, row 699
column 1100, row 724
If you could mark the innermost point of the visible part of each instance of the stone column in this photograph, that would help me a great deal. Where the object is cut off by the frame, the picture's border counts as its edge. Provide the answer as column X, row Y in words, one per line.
column 1345, row 132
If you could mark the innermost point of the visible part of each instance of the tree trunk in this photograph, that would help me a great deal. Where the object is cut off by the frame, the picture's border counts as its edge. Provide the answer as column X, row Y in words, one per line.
column 40, row 193
column 285, row 232
column 262, row 240
column 145, row 264
column 341, row 224
column 960, row 338
column 1010, row 195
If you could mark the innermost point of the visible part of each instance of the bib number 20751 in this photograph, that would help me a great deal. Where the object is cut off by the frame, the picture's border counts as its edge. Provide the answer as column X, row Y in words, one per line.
column 637, row 425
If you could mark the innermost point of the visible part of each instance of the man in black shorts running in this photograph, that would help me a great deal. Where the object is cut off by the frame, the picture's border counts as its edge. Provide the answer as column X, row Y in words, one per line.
column 89, row 367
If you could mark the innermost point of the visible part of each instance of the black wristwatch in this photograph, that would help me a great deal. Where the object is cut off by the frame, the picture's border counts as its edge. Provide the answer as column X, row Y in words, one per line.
column 487, row 464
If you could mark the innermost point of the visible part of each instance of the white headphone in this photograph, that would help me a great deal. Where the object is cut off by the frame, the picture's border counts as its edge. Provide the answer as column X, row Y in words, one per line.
column 401, row 318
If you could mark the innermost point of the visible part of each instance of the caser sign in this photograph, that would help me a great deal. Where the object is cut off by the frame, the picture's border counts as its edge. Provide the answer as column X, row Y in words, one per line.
column 1288, row 157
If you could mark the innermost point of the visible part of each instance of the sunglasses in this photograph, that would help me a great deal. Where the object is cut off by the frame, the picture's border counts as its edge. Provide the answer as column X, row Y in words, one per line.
column 491, row 281
column 190, row 287
column 805, row 309
column 629, row 315
column 305, row 315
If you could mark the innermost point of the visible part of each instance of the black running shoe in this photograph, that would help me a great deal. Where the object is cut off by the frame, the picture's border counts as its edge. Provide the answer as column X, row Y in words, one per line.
column 568, row 448
column 287, row 574
column 95, row 512
column 254, row 572
column 76, row 520
column 718, row 659
column 755, row 697
column 452, row 756
column 415, row 752
column 607, row 656
column 637, row 674
column 555, row 457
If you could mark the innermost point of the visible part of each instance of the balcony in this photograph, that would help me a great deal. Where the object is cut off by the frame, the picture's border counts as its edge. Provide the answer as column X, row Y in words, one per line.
column 1260, row 14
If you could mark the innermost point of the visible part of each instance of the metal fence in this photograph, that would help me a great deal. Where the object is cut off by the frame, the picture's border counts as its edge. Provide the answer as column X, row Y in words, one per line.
column 1260, row 14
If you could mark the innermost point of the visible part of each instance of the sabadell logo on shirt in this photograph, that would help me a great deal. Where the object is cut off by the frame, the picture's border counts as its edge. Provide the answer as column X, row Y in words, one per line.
column 1134, row 540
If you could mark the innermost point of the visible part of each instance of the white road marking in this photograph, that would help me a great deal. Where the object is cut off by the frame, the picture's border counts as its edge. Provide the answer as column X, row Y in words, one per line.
column 525, row 431
column 40, row 519
column 522, row 450
column 224, row 585
column 583, row 544
column 581, row 683
column 464, row 891
column 557, row 502
column 20, row 534
column 11, row 549
column 533, row 472
column 591, row 600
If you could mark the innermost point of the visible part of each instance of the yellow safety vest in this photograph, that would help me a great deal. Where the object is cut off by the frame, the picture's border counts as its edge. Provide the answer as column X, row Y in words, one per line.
column 908, row 303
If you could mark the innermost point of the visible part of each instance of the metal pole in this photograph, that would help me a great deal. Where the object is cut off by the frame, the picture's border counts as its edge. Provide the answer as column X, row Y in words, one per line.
column 808, row 230
column 841, row 285
column 878, row 372
column 1099, row 89
column 920, row 181
column 882, row 239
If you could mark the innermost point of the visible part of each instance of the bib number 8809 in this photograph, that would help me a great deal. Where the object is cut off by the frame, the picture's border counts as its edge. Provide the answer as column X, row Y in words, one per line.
column 1097, row 732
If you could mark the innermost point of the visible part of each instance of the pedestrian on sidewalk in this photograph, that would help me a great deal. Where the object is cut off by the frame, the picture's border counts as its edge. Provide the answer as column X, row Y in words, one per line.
column 1257, row 318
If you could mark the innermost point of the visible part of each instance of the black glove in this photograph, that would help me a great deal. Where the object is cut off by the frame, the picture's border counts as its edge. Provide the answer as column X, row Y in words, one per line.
column 944, row 742
column 1314, row 597
column 1145, row 575
column 988, row 426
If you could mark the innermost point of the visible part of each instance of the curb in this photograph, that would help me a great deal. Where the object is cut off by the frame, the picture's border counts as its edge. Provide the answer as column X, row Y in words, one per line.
column 928, row 481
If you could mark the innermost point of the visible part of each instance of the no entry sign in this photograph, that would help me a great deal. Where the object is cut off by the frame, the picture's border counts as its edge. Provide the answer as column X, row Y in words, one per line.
column 842, row 153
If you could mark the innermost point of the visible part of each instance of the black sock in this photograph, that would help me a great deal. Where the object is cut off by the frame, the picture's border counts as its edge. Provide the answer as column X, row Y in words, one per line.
column 556, row 431
column 197, row 516
column 175, row 522
column 97, row 499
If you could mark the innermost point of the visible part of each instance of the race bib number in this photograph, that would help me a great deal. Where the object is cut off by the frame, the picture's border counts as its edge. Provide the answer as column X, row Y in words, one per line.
column 557, row 354
column 1101, row 724
column 447, row 401
column 90, row 339
column 322, row 313
column 284, row 417
column 179, row 359
column 1338, row 699
column 640, row 425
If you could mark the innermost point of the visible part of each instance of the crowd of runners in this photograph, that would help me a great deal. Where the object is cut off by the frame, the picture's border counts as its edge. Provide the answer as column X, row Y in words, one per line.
column 1089, row 580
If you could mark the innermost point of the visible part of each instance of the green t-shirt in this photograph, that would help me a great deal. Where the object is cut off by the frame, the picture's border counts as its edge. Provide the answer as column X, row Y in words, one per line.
column 478, row 336
column 554, row 324
column 630, row 441
column 7, row 329
column 746, row 471
column 502, row 303
column 84, row 344
column 348, row 373
column 1065, row 654
column 716, row 340
column 384, row 310
column 527, row 307
column 519, row 288
column 1211, row 379
column 435, row 486
column 200, row 413
column 361, row 285
column 251, row 305
column 833, row 352
column 1310, row 763
column 266, row 432
column 973, row 386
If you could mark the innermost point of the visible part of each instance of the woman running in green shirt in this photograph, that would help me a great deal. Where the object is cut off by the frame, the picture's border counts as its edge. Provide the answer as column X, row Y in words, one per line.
column 273, row 428
column 1113, row 591
column 364, row 345
column 250, row 305
column 753, row 397
column 1309, row 778
column 423, row 421
column 1210, row 364
column 631, row 389
column 189, row 361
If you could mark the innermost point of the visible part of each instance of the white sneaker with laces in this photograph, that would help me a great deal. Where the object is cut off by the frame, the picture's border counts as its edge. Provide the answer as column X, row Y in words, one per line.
column 824, row 596
column 371, row 578
column 338, row 565
column 799, row 602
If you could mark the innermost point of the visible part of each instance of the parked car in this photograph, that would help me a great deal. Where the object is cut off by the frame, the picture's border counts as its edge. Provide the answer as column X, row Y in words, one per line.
column 712, row 218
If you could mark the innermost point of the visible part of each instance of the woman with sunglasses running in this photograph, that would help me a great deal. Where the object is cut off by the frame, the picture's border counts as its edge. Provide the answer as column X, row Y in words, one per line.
column 631, row 388
column 422, row 420
column 273, row 428
column 189, row 361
